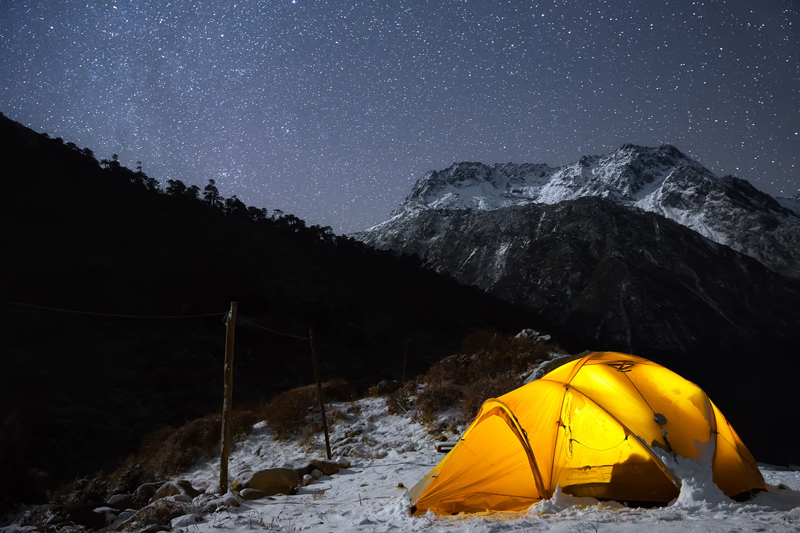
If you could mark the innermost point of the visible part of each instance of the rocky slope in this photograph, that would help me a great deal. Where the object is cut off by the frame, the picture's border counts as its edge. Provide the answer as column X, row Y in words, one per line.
column 661, row 180
column 616, row 253
column 609, row 276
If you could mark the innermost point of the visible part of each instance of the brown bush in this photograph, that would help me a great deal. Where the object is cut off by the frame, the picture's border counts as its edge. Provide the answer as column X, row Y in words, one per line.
column 170, row 451
column 487, row 387
column 482, row 340
column 399, row 400
column 452, row 369
column 435, row 397
column 338, row 390
column 157, row 513
column 287, row 412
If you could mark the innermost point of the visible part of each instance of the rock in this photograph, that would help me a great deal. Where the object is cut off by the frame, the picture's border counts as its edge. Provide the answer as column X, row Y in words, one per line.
column 343, row 462
column 181, row 489
column 184, row 521
column 271, row 481
column 385, row 387
column 155, row 528
column 146, row 491
column 83, row 514
column 326, row 467
column 316, row 474
column 228, row 500
column 252, row 494
column 120, row 502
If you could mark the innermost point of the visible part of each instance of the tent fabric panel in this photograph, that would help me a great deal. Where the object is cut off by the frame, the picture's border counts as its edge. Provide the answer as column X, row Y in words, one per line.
column 537, row 407
column 596, row 457
column 604, row 358
column 488, row 469
column 684, row 406
column 561, row 373
column 735, row 469
column 618, row 395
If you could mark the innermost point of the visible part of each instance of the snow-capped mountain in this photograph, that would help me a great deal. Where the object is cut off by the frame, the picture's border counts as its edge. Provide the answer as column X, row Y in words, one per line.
column 621, row 252
column 661, row 180
column 791, row 203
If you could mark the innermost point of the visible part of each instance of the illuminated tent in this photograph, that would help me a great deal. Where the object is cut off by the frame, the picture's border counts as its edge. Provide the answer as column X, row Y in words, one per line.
column 606, row 425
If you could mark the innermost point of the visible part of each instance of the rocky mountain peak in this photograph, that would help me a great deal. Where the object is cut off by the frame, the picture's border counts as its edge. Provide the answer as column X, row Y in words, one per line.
column 662, row 180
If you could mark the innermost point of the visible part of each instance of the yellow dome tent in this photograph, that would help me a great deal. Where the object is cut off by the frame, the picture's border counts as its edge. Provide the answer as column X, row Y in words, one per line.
column 604, row 426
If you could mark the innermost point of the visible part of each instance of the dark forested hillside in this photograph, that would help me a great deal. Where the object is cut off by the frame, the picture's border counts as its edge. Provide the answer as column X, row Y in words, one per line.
column 78, row 391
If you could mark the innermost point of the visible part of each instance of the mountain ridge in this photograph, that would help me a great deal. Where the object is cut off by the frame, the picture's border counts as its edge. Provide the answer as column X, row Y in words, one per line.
column 662, row 180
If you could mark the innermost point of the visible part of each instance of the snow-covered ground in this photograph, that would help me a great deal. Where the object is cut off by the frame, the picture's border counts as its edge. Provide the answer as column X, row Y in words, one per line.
column 389, row 454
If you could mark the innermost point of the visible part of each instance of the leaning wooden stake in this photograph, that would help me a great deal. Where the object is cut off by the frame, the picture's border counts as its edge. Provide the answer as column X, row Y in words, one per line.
column 319, row 393
column 230, row 328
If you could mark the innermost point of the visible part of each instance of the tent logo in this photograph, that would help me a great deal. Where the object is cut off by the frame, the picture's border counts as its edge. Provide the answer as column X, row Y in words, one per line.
column 622, row 366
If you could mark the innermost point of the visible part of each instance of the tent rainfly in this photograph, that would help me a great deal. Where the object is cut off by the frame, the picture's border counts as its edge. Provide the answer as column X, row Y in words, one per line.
column 606, row 425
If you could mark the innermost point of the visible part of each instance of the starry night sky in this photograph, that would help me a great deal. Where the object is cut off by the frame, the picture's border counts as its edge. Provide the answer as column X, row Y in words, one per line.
column 331, row 109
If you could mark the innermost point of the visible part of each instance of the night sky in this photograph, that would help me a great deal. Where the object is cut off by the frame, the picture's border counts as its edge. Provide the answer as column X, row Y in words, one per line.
column 331, row 110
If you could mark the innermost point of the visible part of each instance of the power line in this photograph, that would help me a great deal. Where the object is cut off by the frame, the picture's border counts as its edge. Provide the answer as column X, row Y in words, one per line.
column 113, row 315
column 272, row 330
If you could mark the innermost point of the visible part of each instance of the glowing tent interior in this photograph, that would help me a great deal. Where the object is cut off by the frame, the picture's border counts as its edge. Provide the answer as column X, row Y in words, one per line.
column 606, row 425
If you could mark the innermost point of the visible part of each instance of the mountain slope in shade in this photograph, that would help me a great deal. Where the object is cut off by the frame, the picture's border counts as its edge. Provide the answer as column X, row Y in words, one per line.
column 662, row 180
column 609, row 277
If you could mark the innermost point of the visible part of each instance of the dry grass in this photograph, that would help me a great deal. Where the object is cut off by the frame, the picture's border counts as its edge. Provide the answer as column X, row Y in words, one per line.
column 489, row 365
column 171, row 450
column 296, row 411
column 398, row 401
column 157, row 513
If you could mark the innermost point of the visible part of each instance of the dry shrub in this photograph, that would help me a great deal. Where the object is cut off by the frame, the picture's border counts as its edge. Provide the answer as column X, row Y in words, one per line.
column 130, row 475
column 487, row 387
column 436, row 397
column 338, row 390
column 489, row 365
column 160, row 512
column 452, row 369
column 170, row 451
column 399, row 400
column 288, row 412
column 515, row 355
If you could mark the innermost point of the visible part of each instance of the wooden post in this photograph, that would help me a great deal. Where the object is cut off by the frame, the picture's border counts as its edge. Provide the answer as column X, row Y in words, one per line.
column 319, row 393
column 230, row 328
column 405, row 357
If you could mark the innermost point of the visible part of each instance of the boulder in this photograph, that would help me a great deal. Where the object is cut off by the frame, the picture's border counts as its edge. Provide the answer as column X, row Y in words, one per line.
column 271, row 481
column 180, row 487
column 146, row 491
column 252, row 494
column 83, row 514
column 343, row 462
column 326, row 467
column 120, row 502
column 184, row 521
